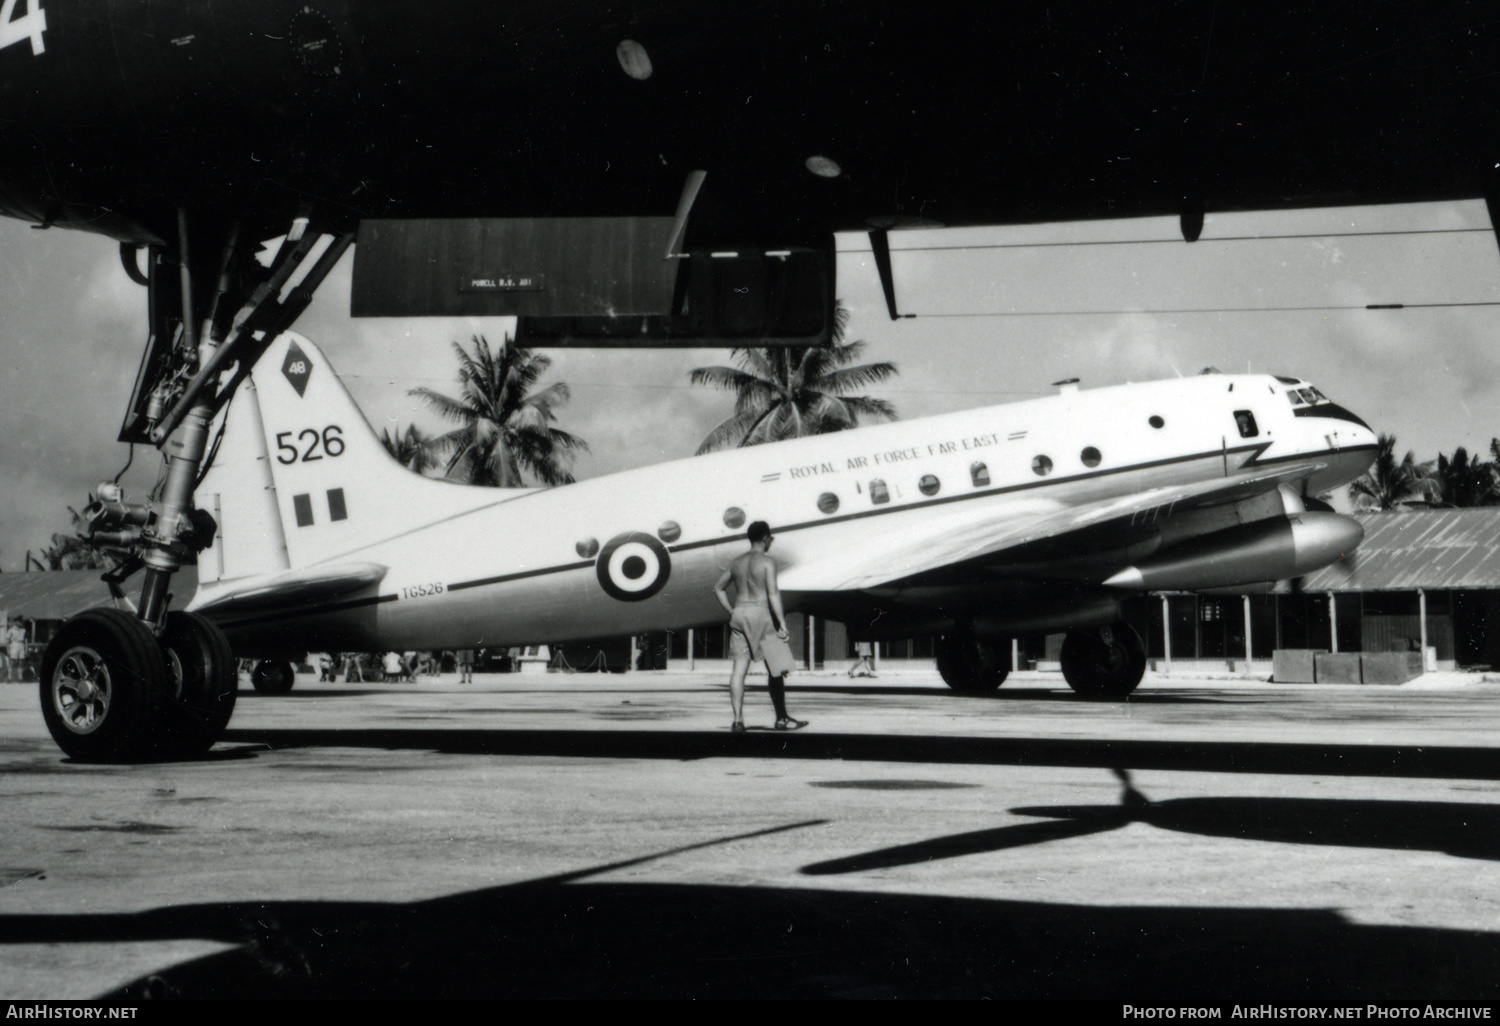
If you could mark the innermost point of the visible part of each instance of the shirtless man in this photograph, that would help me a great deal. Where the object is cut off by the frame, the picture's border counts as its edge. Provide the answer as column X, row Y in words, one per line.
column 753, row 632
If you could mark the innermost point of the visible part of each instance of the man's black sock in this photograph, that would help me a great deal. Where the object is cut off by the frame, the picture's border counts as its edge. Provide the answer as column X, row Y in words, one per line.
column 777, row 686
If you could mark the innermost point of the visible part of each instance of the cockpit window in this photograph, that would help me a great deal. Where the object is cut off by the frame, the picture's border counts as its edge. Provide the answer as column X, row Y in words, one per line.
column 1308, row 395
column 1245, row 421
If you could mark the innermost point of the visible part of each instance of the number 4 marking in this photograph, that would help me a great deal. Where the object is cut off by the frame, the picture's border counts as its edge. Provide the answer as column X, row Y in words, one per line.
column 30, row 25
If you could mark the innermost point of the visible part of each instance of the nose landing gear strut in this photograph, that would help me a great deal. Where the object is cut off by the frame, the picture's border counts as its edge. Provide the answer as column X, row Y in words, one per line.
column 154, row 683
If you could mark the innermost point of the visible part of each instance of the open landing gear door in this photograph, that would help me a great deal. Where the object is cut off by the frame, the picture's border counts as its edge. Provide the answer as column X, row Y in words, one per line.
column 602, row 282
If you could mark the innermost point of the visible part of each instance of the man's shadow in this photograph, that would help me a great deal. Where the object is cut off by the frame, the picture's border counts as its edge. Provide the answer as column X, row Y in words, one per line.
column 1467, row 830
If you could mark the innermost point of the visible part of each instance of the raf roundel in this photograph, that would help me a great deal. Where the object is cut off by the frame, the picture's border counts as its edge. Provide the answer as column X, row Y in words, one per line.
column 633, row 567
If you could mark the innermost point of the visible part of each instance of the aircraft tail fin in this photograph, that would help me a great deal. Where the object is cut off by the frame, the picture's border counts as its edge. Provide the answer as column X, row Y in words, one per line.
column 338, row 491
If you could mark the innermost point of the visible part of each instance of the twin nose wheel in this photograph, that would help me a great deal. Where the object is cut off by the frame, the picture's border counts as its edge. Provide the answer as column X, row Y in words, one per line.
column 111, row 690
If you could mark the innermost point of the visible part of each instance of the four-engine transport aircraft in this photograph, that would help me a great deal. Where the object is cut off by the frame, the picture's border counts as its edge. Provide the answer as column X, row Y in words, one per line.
column 1038, row 515
column 657, row 172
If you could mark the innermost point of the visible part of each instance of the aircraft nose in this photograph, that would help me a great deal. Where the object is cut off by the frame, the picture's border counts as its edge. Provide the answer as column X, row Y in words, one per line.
column 1350, row 443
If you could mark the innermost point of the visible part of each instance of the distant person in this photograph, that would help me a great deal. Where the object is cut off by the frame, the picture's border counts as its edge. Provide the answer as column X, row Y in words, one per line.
column 15, row 650
column 863, row 666
column 465, row 660
column 391, row 666
column 353, row 668
column 328, row 667
column 757, row 626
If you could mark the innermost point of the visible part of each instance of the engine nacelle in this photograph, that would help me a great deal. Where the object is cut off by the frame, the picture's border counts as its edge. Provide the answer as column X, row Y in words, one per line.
column 1267, row 550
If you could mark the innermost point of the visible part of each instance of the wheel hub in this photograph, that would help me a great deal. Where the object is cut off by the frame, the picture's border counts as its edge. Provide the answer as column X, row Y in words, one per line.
column 81, row 690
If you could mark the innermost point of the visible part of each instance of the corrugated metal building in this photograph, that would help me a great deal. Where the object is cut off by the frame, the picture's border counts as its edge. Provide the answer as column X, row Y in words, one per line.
column 52, row 596
column 1444, row 563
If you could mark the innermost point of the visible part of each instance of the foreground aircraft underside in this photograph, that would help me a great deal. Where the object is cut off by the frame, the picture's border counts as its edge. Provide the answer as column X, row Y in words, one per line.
column 669, row 173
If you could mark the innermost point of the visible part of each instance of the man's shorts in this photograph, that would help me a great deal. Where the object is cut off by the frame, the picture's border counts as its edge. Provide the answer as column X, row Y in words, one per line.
column 753, row 633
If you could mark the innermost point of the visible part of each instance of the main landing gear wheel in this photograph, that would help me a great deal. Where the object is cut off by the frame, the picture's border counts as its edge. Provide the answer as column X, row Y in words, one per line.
column 103, row 687
column 273, row 678
column 1104, row 662
column 204, row 678
column 970, row 666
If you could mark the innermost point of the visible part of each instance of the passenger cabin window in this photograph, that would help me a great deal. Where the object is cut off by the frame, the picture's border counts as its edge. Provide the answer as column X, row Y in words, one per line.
column 1041, row 466
column 879, row 493
column 979, row 474
column 1245, row 421
column 1156, row 421
column 828, row 503
column 1090, row 456
column 929, row 484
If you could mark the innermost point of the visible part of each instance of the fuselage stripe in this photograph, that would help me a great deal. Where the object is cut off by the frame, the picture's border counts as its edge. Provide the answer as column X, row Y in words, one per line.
column 501, row 579
column 1256, row 449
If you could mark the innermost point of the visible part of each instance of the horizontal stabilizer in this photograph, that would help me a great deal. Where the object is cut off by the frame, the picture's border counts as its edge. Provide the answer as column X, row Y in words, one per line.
column 295, row 588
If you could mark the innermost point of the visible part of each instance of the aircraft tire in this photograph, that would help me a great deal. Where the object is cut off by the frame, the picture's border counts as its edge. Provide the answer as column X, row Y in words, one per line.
column 103, row 687
column 205, row 681
column 271, row 677
column 969, row 665
column 1103, row 662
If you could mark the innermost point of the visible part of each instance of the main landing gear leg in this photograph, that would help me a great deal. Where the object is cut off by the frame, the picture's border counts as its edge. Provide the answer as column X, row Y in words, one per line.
column 1104, row 662
column 121, row 686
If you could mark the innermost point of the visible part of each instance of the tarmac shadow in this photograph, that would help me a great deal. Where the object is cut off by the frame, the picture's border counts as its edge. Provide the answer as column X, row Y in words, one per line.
column 1470, row 763
column 576, row 936
column 1060, row 693
column 1463, row 829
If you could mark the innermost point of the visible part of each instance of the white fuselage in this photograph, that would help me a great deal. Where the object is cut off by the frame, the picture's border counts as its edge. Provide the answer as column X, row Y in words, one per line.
column 527, row 568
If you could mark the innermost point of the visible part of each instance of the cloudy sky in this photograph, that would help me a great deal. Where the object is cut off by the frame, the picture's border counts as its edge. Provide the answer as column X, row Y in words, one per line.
column 1001, row 313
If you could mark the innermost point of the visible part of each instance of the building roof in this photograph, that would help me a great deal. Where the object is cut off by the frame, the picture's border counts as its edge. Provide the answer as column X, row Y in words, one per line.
column 1410, row 549
column 59, row 594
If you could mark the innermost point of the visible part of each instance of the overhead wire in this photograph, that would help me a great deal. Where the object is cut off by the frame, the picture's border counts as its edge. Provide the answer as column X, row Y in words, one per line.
column 1173, row 240
column 1175, row 311
column 1210, row 310
column 699, row 388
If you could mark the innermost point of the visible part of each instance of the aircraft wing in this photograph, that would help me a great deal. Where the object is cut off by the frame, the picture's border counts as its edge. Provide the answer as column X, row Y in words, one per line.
column 296, row 588
column 944, row 538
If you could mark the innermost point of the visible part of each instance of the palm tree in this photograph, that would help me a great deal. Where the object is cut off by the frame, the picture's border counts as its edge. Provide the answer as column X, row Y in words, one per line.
column 505, row 430
column 1388, row 484
column 68, row 552
column 1464, row 481
column 410, row 448
column 788, row 392
column 76, row 552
